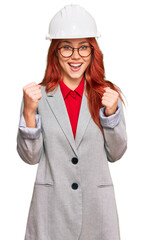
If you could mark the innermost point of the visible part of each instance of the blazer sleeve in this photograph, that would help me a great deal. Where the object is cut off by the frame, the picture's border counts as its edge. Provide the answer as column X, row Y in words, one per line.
column 29, row 140
column 114, row 128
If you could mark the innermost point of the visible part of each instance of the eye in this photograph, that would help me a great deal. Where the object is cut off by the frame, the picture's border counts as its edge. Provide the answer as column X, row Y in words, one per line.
column 67, row 47
column 83, row 47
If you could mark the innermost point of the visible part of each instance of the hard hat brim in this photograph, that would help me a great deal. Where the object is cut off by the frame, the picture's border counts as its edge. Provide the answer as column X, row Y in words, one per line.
column 48, row 37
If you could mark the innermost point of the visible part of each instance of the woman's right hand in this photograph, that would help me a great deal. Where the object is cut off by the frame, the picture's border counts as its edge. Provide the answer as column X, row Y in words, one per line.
column 32, row 93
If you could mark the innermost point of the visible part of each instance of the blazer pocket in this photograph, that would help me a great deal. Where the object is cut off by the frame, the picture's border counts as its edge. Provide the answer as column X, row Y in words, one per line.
column 103, row 185
column 44, row 184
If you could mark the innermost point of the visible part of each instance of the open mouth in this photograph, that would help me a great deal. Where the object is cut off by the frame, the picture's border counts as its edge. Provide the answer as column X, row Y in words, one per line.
column 75, row 67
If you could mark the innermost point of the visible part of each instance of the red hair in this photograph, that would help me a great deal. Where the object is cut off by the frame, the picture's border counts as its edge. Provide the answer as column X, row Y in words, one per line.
column 94, row 76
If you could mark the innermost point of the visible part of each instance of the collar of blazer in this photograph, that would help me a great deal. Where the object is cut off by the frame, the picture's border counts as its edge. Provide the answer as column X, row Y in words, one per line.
column 58, row 107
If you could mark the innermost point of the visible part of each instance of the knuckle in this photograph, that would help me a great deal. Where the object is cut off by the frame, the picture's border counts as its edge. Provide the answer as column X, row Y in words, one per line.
column 34, row 83
column 30, row 95
column 38, row 88
column 33, row 97
column 26, row 90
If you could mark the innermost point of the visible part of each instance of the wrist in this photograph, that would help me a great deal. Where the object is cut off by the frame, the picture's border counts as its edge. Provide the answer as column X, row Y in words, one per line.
column 29, row 119
column 28, row 113
column 109, row 112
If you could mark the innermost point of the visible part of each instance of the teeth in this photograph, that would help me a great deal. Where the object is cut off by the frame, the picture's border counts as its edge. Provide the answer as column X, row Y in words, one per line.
column 75, row 65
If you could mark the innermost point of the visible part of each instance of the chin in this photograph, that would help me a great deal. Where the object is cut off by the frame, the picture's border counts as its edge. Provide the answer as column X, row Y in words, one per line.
column 76, row 75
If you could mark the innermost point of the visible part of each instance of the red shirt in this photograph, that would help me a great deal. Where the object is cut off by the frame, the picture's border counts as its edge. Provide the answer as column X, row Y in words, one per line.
column 73, row 102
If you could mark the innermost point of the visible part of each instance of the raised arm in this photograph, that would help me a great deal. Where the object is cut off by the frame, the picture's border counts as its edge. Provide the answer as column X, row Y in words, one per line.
column 114, row 128
column 29, row 135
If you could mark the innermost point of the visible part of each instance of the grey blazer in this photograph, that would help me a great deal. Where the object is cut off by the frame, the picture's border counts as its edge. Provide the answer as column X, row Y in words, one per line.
column 73, row 195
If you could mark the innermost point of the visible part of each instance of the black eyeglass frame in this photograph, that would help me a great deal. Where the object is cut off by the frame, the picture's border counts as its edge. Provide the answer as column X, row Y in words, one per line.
column 78, row 51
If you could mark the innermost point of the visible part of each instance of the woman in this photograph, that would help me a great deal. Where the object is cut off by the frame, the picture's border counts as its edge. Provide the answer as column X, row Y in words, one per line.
column 72, row 124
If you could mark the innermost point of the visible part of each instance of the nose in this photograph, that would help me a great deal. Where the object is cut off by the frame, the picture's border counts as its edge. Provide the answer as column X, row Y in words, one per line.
column 75, row 54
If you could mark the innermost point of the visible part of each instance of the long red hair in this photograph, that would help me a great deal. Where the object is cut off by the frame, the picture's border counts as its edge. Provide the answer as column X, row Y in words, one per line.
column 94, row 76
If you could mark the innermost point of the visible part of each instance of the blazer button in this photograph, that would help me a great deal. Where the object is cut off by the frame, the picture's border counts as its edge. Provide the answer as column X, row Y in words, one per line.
column 74, row 160
column 74, row 186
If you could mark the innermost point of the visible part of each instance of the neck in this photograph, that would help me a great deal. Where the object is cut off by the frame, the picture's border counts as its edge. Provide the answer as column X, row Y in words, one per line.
column 72, row 83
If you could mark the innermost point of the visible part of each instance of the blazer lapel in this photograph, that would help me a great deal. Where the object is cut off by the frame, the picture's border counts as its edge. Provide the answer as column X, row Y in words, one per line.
column 83, row 120
column 58, row 107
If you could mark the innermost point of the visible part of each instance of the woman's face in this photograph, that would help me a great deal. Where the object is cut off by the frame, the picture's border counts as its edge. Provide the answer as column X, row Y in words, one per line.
column 73, row 67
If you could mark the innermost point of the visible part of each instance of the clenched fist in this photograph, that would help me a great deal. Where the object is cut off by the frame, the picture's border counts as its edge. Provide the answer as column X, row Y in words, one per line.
column 110, row 101
column 32, row 93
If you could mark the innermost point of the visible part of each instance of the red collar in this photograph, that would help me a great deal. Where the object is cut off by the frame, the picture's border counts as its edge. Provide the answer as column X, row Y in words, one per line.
column 66, row 90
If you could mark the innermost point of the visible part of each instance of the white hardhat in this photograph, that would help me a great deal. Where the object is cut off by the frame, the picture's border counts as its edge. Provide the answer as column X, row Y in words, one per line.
column 72, row 21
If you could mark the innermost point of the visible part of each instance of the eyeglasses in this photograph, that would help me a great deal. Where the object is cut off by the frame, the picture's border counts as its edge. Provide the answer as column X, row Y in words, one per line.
column 83, row 51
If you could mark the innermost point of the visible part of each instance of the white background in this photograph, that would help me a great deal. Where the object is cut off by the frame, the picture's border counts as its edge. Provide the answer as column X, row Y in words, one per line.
column 23, row 52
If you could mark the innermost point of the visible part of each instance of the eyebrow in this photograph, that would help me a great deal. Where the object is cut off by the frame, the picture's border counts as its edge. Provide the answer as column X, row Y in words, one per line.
column 71, row 42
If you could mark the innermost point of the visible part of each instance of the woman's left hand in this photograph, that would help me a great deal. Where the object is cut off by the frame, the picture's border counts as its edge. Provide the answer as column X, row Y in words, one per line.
column 110, row 101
